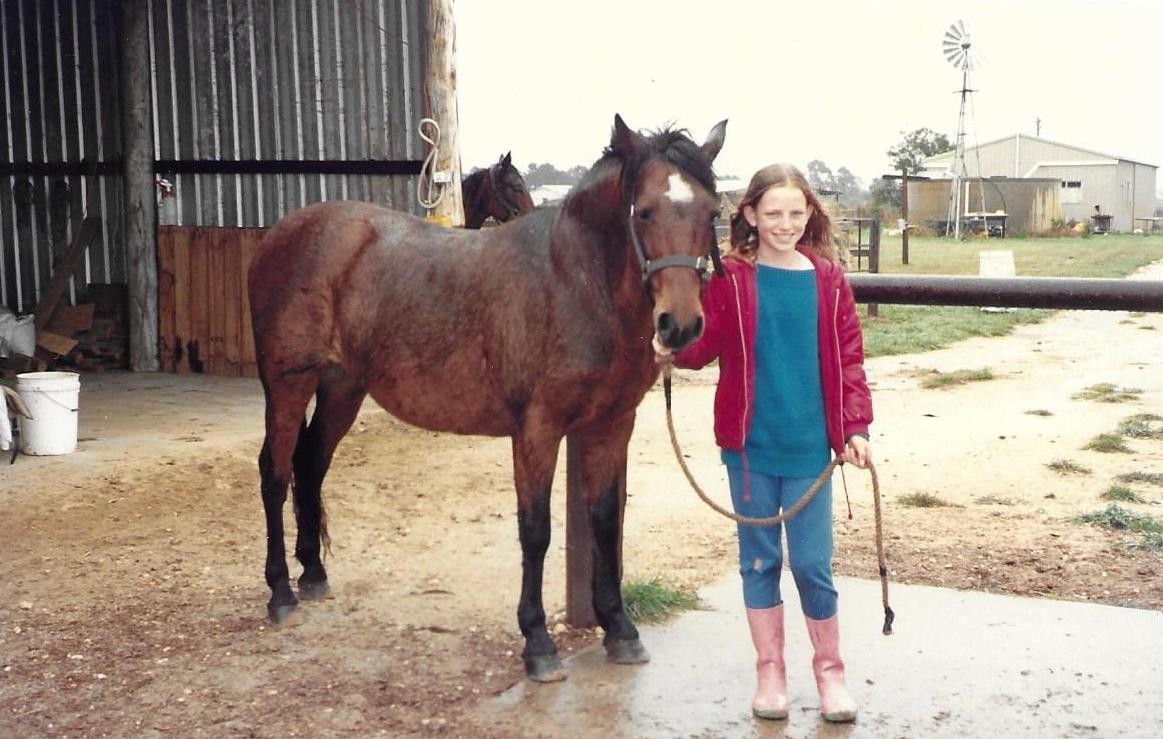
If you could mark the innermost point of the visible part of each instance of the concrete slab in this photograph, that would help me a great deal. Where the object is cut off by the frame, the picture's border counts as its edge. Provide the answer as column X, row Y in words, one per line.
column 960, row 664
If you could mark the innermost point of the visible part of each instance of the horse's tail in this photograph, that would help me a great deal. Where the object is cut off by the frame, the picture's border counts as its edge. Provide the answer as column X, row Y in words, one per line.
column 324, row 534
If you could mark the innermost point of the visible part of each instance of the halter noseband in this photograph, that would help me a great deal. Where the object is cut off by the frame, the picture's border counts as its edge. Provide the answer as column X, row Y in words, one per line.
column 650, row 266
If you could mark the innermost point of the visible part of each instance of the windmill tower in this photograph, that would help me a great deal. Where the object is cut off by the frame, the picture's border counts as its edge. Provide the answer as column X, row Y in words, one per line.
column 956, row 46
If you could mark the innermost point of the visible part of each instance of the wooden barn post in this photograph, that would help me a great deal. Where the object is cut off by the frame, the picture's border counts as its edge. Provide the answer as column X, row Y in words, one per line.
column 440, row 105
column 137, row 184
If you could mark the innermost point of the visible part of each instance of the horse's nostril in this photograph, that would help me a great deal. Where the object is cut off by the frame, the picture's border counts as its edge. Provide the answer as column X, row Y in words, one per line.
column 665, row 324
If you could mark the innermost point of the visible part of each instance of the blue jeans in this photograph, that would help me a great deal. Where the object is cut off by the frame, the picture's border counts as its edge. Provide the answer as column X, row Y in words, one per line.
column 809, row 542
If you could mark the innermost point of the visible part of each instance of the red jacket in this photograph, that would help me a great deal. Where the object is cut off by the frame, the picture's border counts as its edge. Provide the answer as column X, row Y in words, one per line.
column 730, row 310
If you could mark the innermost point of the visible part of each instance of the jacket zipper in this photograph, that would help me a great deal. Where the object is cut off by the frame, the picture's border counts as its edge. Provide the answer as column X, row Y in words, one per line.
column 839, row 364
column 743, row 346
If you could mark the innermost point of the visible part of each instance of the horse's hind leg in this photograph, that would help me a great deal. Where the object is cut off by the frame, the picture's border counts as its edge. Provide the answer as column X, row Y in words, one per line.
column 286, row 401
column 603, row 481
column 337, row 403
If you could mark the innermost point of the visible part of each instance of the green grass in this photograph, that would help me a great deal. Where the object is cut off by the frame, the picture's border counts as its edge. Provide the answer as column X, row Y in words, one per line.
column 1152, row 541
column 1121, row 493
column 1110, row 256
column 652, row 600
column 1104, row 392
column 1115, row 516
column 1150, row 478
column 935, row 380
column 1108, row 444
column 904, row 329
column 1142, row 426
column 922, row 500
column 1066, row 467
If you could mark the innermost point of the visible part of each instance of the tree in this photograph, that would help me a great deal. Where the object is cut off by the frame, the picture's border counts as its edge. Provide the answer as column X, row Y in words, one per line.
column 547, row 174
column 819, row 175
column 846, row 183
column 909, row 154
column 886, row 195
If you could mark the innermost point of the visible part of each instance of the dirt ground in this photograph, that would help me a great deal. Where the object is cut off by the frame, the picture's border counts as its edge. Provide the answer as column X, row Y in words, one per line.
column 134, row 605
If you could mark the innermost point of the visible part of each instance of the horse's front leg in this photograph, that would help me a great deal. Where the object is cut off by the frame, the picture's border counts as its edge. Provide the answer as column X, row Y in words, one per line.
column 603, row 475
column 534, row 460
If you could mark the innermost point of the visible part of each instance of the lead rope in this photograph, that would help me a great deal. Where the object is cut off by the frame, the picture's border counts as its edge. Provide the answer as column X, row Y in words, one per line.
column 796, row 507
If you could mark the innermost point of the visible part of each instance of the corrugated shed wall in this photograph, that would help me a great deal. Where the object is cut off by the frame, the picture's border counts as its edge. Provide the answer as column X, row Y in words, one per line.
column 60, row 106
column 1031, row 204
column 321, row 80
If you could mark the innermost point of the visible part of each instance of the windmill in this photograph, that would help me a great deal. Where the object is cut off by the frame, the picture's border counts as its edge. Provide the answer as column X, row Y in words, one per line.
column 956, row 45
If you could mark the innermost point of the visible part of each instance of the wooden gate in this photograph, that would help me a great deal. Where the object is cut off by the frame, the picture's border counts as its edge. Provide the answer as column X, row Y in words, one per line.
column 203, row 310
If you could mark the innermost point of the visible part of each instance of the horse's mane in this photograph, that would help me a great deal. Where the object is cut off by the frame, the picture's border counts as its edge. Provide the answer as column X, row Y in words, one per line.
column 672, row 144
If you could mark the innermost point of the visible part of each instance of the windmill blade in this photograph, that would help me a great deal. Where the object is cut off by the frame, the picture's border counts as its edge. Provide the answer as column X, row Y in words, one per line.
column 956, row 45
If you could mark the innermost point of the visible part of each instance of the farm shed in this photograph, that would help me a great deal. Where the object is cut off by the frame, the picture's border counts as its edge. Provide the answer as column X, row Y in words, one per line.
column 1031, row 204
column 193, row 125
column 1122, row 188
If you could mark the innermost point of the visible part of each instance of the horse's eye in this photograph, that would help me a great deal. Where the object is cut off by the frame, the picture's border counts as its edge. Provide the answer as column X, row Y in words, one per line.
column 645, row 214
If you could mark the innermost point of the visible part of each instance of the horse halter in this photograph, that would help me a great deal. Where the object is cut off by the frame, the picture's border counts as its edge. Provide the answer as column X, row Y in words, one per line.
column 650, row 266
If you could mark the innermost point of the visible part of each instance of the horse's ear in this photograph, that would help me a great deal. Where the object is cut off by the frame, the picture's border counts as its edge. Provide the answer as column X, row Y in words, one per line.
column 624, row 141
column 714, row 142
column 507, row 159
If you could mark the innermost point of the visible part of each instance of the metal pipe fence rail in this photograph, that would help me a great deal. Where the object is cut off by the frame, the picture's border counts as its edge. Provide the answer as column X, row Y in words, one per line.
column 1056, row 293
column 1070, row 293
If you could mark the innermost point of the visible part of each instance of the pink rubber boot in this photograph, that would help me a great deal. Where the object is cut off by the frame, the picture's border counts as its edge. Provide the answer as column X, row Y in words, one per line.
column 836, row 703
column 767, row 635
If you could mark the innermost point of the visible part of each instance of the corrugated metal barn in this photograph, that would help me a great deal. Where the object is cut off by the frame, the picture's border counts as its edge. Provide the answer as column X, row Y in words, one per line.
column 1031, row 204
column 226, row 113
column 1121, row 187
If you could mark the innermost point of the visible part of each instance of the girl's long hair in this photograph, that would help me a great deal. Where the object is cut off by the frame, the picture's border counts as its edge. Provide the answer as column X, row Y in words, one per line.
column 817, row 234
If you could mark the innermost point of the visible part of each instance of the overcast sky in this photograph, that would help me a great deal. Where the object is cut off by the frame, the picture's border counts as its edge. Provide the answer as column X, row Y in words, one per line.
column 836, row 80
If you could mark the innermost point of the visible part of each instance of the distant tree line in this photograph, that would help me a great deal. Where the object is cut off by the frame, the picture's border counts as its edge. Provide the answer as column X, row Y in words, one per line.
column 840, row 185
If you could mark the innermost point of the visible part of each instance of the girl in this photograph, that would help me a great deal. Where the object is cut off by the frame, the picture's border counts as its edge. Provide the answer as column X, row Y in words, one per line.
column 782, row 322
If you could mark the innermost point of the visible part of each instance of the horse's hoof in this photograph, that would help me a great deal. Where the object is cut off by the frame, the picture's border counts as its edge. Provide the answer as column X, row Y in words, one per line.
column 284, row 615
column 545, row 668
column 626, row 651
column 317, row 590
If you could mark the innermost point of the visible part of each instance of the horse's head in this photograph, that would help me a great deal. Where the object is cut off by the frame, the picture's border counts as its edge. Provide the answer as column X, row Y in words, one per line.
column 506, row 194
column 671, row 205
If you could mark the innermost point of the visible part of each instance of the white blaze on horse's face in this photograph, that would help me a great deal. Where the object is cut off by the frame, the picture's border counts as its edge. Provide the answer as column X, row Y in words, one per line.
column 678, row 190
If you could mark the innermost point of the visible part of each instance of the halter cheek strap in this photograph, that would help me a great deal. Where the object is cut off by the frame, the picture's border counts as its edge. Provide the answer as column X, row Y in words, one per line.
column 650, row 266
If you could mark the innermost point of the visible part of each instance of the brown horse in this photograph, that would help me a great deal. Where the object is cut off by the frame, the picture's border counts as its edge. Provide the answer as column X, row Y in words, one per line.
column 498, row 191
column 535, row 329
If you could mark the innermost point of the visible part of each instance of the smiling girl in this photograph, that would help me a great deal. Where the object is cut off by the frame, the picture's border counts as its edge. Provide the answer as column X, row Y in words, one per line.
column 782, row 322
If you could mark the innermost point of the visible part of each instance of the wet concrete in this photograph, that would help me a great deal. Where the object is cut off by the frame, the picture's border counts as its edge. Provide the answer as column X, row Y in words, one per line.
column 960, row 664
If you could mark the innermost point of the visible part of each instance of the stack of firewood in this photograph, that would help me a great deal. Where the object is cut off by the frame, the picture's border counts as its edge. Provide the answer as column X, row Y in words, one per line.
column 104, row 344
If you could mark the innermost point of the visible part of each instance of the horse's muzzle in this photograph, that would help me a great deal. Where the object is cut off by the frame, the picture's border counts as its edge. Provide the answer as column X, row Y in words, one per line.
column 675, row 337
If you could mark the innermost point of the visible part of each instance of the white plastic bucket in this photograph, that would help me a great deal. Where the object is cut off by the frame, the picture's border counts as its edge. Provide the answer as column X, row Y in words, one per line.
column 53, row 399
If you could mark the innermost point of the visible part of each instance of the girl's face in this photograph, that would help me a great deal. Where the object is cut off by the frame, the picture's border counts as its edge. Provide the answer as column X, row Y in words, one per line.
column 779, row 218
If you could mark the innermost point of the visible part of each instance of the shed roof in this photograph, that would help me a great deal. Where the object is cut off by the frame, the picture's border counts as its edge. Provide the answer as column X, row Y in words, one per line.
column 937, row 158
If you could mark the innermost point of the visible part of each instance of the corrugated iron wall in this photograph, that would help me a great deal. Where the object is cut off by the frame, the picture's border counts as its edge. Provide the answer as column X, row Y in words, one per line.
column 60, row 105
column 253, row 80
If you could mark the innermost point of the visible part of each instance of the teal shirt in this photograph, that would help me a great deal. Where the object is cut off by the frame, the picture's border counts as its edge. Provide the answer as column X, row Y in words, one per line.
column 787, row 437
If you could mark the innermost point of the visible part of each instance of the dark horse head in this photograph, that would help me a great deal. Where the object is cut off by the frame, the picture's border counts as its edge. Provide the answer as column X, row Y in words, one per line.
column 497, row 191
column 660, row 188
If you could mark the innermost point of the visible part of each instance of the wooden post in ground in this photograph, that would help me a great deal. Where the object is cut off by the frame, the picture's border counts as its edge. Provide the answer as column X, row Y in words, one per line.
column 905, row 179
column 440, row 106
column 905, row 217
column 137, row 183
